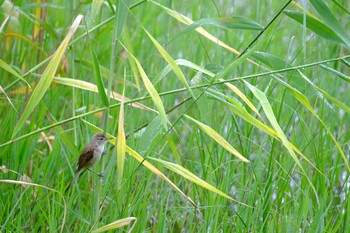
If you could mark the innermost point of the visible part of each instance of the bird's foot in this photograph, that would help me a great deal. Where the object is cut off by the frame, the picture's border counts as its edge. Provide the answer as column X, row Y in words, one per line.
column 99, row 174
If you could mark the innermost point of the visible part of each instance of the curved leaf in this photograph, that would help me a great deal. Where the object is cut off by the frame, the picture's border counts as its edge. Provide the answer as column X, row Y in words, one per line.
column 315, row 25
column 273, row 121
column 330, row 20
column 171, row 62
column 9, row 69
column 151, row 90
column 218, row 138
column 92, row 87
column 235, row 22
column 117, row 224
column 195, row 179
column 46, row 78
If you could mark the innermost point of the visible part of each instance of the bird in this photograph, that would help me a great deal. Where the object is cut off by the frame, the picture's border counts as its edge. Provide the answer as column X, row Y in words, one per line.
column 90, row 155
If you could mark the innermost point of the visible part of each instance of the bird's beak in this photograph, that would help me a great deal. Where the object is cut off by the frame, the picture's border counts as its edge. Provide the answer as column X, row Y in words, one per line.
column 109, row 139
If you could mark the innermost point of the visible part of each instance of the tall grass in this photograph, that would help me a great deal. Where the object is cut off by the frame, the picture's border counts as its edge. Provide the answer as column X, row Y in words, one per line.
column 235, row 113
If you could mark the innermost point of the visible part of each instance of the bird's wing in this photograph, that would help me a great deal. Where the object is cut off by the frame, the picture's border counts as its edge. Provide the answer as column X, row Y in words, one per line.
column 85, row 157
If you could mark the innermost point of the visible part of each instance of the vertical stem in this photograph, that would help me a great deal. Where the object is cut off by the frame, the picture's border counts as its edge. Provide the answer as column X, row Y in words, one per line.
column 106, row 112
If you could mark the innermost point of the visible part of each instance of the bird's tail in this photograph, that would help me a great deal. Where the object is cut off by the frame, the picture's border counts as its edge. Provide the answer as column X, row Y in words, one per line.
column 77, row 174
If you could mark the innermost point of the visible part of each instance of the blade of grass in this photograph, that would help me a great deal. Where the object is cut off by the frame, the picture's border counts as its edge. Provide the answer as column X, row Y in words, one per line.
column 244, row 98
column 305, row 102
column 198, row 68
column 44, row 187
column 98, row 79
column 7, row 18
column 38, row 13
column 9, row 69
column 46, row 78
column 240, row 111
column 151, row 90
column 171, row 62
column 93, row 88
column 339, row 74
column 195, row 179
column 185, row 20
column 8, row 99
column 95, row 8
column 24, row 38
column 337, row 102
column 229, row 68
column 271, row 117
column 118, row 224
column 149, row 134
column 182, row 62
column 330, row 20
column 128, row 43
column 218, row 138
column 315, row 25
column 121, row 144
column 234, row 22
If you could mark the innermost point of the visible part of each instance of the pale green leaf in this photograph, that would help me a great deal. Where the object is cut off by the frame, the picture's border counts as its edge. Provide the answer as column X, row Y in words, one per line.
column 46, row 78
column 94, row 9
column 185, row 63
column 229, row 68
column 305, row 102
column 331, row 20
column 270, row 60
column 121, row 144
column 315, row 25
column 334, row 100
column 244, row 98
column 122, row 12
column 218, row 138
column 234, row 22
column 273, row 121
column 118, row 224
column 152, row 91
column 93, row 88
column 9, row 69
column 8, row 99
column 185, row 20
column 195, row 179
column 153, row 129
column 171, row 62
column 339, row 74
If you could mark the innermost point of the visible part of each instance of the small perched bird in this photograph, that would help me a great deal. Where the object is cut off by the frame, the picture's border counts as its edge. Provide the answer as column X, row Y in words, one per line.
column 91, row 155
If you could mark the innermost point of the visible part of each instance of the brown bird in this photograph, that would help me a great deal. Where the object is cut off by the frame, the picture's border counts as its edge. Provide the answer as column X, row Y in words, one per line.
column 91, row 155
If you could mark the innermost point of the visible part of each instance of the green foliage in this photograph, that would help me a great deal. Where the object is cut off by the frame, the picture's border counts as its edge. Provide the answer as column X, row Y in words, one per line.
column 235, row 115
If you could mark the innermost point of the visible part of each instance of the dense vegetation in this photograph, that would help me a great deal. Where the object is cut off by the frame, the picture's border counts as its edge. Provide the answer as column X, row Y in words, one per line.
column 235, row 115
